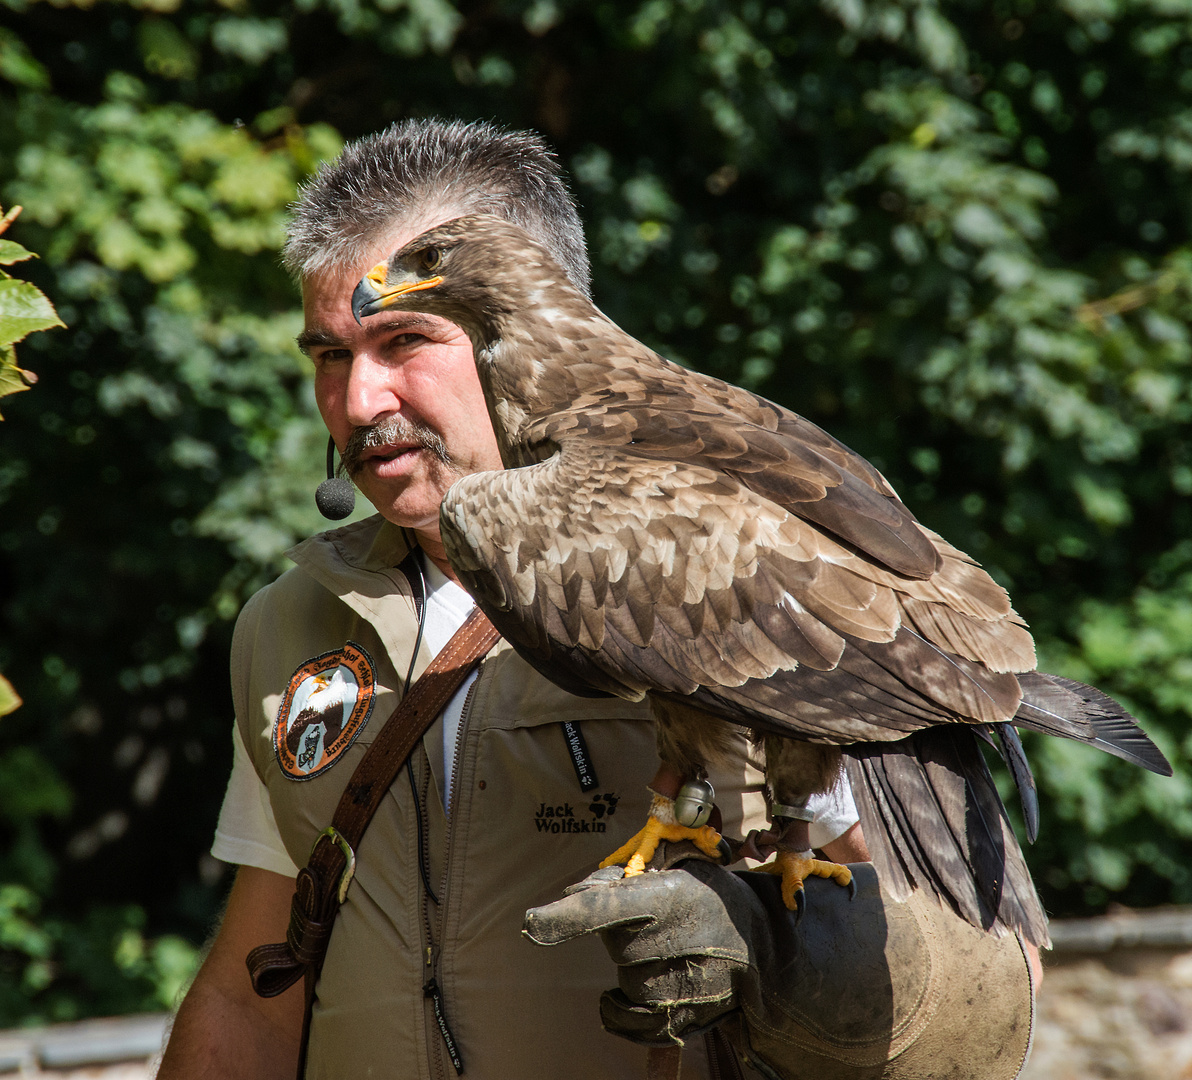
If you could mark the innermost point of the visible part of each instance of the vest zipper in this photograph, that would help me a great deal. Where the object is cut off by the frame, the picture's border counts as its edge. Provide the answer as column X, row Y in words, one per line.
column 453, row 787
column 431, row 988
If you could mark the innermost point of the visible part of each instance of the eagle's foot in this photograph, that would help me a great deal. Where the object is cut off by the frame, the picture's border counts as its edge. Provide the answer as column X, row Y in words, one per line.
column 795, row 868
column 661, row 825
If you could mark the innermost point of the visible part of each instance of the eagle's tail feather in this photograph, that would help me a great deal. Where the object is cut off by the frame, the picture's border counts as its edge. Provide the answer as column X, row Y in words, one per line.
column 1016, row 761
column 1058, row 706
column 933, row 820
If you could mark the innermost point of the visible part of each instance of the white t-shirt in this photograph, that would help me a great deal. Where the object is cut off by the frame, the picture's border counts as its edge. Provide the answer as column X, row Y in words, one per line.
column 447, row 606
column 247, row 833
column 835, row 813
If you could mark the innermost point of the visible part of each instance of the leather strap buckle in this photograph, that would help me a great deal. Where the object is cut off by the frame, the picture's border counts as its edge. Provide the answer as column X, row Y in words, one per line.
column 337, row 838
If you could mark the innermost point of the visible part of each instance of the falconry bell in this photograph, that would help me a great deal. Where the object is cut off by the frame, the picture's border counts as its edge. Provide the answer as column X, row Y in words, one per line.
column 693, row 804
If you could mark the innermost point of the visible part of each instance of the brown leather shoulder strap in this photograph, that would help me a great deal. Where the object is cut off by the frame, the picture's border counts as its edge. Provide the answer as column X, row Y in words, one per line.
column 415, row 713
column 322, row 884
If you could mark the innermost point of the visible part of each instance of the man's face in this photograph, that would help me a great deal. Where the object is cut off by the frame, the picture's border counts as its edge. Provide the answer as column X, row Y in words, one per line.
column 399, row 394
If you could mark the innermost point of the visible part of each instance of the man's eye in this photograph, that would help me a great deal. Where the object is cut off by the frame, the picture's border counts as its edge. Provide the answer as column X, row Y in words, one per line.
column 408, row 341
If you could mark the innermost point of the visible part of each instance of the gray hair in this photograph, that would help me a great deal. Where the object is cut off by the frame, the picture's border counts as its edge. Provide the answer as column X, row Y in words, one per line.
column 418, row 168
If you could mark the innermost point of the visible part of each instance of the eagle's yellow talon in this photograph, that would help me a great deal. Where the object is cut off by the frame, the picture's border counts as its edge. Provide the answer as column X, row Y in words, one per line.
column 636, row 865
column 795, row 869
column 640, row 850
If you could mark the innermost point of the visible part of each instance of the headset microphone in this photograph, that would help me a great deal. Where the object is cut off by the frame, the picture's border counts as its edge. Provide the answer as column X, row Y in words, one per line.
column 335, row 496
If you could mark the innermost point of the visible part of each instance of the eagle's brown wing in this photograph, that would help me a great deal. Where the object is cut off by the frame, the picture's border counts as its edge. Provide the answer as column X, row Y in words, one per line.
column 615, row 391
column 678, row 543
column 637, row 574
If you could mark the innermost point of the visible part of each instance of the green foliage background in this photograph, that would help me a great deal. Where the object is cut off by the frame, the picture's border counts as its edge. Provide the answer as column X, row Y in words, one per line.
column 954, row 233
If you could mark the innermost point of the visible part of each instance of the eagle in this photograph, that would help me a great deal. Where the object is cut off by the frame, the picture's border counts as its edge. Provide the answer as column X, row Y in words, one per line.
column 657, row 533
column 325, row 701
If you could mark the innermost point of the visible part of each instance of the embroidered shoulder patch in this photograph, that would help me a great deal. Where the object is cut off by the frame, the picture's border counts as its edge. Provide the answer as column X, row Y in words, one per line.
column 326, row 705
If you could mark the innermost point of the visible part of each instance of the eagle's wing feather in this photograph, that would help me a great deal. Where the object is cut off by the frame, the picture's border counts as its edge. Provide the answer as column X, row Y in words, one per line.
column 626, row 392
column 689, row 582
column 780, row 456
column 1059, row 706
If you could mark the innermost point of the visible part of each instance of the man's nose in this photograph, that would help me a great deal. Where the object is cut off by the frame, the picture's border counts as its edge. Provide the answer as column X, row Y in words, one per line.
column 372, row 392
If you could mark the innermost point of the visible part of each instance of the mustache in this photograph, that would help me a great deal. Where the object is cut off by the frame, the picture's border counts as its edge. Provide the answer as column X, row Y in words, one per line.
column 395, row 429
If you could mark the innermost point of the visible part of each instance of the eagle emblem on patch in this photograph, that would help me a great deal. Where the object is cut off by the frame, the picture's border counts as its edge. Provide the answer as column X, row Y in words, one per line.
column 326, row 705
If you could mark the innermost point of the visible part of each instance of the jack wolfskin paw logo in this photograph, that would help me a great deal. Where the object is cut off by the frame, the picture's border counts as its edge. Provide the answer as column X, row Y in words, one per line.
column 568, row 817
column 604, row 804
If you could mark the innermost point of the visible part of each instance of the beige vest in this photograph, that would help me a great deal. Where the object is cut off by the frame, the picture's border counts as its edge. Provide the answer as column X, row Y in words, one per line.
column 521, row 830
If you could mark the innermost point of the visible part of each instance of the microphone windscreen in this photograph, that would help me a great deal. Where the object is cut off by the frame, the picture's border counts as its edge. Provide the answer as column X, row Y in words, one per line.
column 335, row 498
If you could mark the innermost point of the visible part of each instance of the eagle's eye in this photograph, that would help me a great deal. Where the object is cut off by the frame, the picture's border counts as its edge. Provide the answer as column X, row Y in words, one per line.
column 430, row 258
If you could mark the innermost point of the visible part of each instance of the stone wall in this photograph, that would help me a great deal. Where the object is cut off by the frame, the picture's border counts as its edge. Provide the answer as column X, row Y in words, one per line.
column 1116, row 1001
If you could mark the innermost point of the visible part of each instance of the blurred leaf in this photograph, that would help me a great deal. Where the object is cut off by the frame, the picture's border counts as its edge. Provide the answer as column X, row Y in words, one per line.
column 13, row 379
column 23, row 309
column 30, row 787
column 248, row 39
column 10, row 700
column 12, row 252
column 165, row 50
column 18, row 66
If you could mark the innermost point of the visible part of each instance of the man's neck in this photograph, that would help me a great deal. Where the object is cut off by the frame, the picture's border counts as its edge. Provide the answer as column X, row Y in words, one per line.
column 432, row 547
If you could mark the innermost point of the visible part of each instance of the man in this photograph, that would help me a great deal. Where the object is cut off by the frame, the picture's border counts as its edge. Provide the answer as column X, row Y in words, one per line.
column 500, row 808
column 402, row 402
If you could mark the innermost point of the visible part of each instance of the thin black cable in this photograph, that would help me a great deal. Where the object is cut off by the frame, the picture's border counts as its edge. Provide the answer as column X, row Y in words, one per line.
column 422, row 870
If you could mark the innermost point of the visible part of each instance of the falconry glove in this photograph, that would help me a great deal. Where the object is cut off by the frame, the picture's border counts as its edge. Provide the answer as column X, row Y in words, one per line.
column 865, row 988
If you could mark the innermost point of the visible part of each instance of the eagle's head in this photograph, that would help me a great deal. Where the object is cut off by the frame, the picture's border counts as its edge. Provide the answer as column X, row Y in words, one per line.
column 472, row 270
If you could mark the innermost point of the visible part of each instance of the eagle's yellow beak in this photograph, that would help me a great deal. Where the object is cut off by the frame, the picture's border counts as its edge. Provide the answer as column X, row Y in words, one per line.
column 376, row 292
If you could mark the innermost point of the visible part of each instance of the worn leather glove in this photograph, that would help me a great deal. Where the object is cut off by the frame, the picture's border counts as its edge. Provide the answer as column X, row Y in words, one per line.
column 854, row 989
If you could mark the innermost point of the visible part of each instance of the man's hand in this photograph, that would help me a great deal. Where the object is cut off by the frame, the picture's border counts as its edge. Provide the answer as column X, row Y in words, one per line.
column 861, row 988
column 673, row 937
